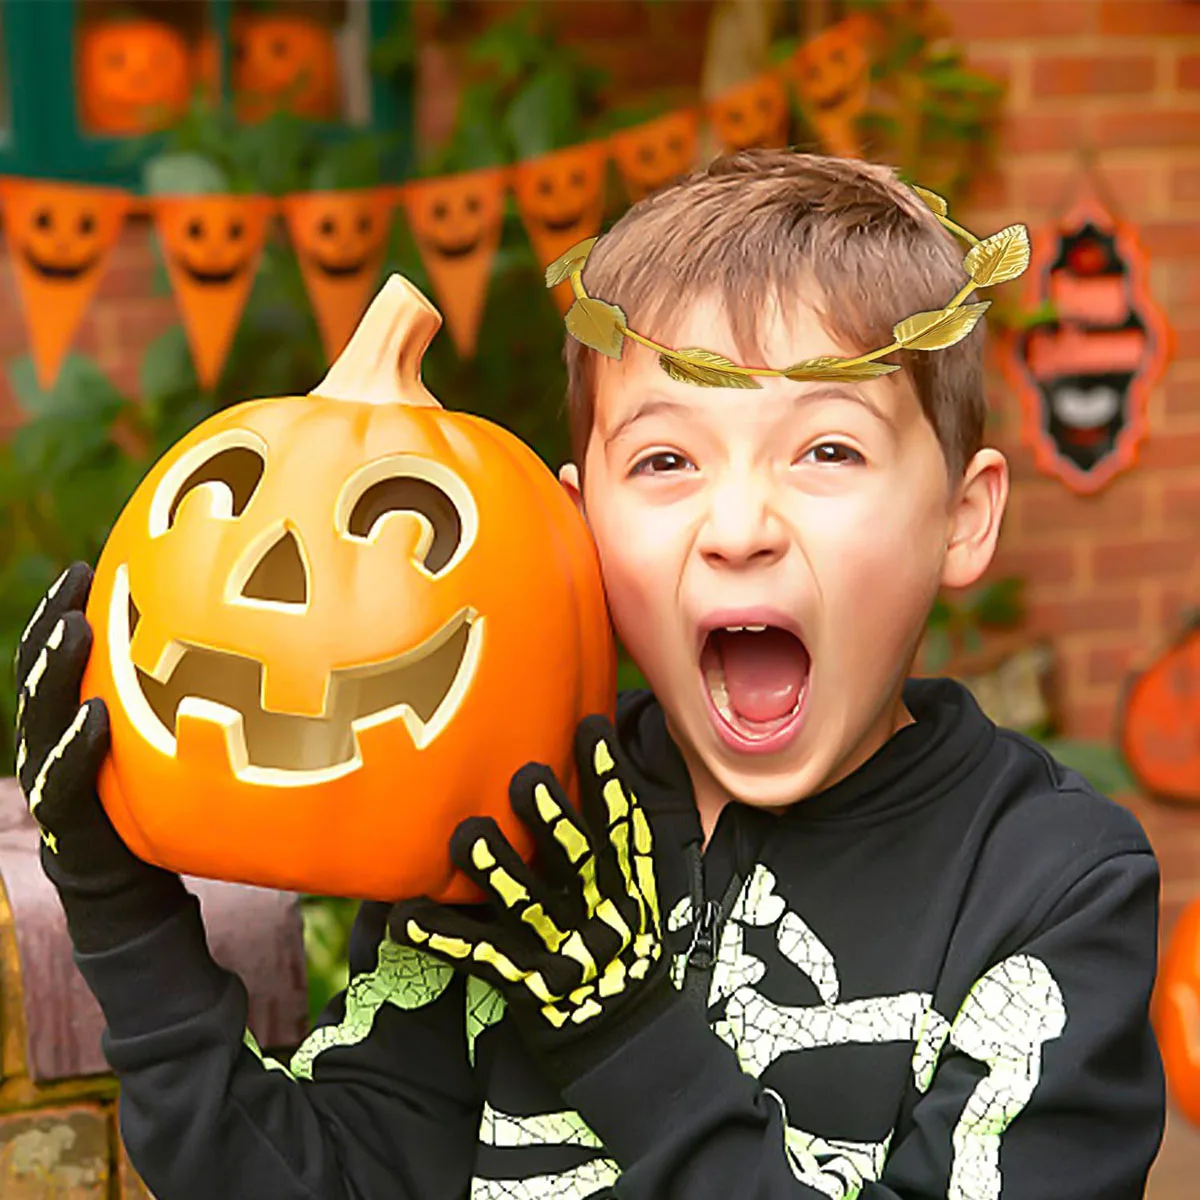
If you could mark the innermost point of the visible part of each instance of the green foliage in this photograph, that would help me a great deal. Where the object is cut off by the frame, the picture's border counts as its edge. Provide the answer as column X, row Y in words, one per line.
column 957, row 623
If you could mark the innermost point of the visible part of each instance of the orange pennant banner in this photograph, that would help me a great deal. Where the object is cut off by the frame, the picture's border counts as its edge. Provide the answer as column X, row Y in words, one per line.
column 561, row 198
column 60, row 236
column 832, row 74
column 212, row 245
column 651, row 155
column 340, row 240
column 752, row 114
column 457, row 222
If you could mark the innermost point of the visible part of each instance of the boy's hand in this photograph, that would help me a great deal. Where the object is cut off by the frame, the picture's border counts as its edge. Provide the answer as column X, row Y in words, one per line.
column 576, row 952
column 110, row 895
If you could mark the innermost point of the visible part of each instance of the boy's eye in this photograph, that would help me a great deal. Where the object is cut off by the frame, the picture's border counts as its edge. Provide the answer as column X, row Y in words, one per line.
column 834, row 453
column 661, row 463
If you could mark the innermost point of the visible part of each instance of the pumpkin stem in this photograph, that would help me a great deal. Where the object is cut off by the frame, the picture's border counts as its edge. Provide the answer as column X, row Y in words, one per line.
column 381, row 363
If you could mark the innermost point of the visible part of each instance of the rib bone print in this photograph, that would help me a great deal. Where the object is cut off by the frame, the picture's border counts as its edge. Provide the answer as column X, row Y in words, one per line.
column 566, row 963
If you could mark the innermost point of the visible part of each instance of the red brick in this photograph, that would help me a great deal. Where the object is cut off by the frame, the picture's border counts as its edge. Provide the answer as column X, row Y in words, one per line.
column 1092, row 75
column 1109, row 664
column 1118, row 612
column 1123, row 18
column 1171, row 451
column 1092, row 721
column 1048, row 510
column 1171, row 606
column 1157, row 557
column 1181, row 506
column 1187, row 72
column 1039, row 133
column 1181, row 398
column 1043, row 565
column 1147, row 128
column 1170, row 239
column 1019, row 18
column 1185, row 183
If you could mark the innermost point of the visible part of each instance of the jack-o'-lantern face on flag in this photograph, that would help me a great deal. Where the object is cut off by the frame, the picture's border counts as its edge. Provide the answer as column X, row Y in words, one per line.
column 754, row 114
column 60, row 237
column 832, row 75
column 651, row 155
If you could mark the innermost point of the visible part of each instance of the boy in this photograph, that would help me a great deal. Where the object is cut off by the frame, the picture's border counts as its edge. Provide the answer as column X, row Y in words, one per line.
column 820, row 930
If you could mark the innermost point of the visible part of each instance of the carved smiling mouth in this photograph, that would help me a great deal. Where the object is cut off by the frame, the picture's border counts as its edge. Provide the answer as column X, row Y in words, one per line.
column 458, row 249
column 422, row 687
column 562, row 224
column 339, row 270
column 197, row 275
column 60, row 271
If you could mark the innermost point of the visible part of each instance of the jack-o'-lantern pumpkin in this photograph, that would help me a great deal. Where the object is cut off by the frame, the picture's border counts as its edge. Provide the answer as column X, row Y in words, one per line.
column 328, row 628
column 1177, row 1012
column 1160, row 722
column 341, row 233
column 208, row 240
column 134, row 75
column 284, row 60
column 654, row 153
column 754, row 114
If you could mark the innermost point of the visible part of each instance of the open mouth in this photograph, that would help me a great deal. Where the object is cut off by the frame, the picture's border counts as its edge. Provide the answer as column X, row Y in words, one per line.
column 562, row 224
column 833, row 102
column 211, row 278
column 340, row 270
column 60, row 271
column 423, row 687
column 458, row 249
column 756, row 680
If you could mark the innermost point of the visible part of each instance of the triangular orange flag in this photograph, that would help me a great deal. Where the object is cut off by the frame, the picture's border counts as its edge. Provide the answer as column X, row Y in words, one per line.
column 60, row 236
column 651, row 155
column 561, row 199
column 212, row 245
column 457, row 222
column 832, row 76
column 752, row 114
column 340, row 238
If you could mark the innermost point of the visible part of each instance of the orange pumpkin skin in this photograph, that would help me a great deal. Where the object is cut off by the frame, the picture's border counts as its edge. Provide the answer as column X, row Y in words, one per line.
column 1160, row 724
column 1177, row 1013
column 284, row 61
column 134, row 75
column 535, row 656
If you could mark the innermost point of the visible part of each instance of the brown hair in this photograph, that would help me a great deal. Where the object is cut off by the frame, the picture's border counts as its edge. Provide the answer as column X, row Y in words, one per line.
column 755, row 226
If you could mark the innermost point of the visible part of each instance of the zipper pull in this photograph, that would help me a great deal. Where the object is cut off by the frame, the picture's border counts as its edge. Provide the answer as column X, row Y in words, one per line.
column 702, row 952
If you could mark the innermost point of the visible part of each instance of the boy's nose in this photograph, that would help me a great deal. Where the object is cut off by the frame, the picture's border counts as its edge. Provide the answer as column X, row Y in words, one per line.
column 742, row 526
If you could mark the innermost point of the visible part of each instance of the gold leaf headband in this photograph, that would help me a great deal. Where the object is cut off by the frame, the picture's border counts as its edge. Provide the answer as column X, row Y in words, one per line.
column 995, row 259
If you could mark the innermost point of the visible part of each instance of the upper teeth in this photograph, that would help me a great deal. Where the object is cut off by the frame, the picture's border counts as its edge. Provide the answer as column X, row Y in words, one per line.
column 744, row 628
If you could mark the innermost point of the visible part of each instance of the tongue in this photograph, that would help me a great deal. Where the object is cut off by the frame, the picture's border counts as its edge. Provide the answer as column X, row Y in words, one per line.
column 764, row 672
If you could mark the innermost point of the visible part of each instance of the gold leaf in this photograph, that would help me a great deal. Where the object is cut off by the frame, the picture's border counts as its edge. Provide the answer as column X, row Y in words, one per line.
column 933, row 200
column 597, row 324
column 937, row 330
column 827, row 367
column 999, row 258
column 704, row 368
column 560, row 269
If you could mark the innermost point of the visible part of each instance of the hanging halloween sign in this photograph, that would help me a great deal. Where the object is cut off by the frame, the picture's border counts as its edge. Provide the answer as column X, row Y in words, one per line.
column 1177, row 1012
column 457, row 223
column 561, row 199
column 284, row 60
column 60, row 236
column 832, row 75
column 1084, row 380
column 1160, row 721
column 212, row 246
column 752, row 114
column 340, row 240
column 134, row 75
column 328, row 628
column 651, row 155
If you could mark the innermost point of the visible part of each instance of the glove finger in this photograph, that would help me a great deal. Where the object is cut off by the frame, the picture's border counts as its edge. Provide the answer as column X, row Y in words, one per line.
column 49, row 696
column 479, row 948
column 561, row 841
column 68, row 592
column 480, row 850
column 623, row 840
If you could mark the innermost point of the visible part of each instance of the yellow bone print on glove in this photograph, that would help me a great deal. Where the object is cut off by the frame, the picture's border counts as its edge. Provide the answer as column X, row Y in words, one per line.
column 575, row 936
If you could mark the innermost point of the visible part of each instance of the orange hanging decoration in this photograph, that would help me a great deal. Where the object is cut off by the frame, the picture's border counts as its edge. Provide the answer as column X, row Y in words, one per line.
column 561, row 199
column 212, row 245
column 340, row 240
column 651, row 155
column 752, row 114
column 832, row 74
column 457, row 223
column 1177, row 1012
column 60, row 236
column 284, row 61
column 308, row 621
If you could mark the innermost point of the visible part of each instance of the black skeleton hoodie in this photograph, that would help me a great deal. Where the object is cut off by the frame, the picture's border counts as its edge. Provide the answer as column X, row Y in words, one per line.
column 930, row 980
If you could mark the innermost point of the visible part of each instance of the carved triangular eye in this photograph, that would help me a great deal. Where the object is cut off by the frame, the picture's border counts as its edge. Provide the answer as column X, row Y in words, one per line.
column 406, row 493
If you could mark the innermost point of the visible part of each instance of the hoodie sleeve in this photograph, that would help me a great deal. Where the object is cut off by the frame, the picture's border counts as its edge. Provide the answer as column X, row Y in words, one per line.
column 379, row 1101
column 1046, row 1084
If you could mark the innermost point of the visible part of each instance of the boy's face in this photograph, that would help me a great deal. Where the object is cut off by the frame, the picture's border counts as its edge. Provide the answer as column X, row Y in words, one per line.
column 818, row 510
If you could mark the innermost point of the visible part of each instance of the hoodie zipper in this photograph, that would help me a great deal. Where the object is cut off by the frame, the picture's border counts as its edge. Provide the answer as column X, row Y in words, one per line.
column 711, row 915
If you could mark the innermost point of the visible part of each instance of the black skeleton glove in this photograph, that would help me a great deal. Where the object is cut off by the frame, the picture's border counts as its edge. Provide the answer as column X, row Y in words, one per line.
column 110, row 895
column 576, row 950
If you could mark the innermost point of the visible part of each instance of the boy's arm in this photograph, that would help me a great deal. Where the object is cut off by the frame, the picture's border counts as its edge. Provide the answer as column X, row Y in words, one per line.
column 381, row 1102
column 1048, row 1085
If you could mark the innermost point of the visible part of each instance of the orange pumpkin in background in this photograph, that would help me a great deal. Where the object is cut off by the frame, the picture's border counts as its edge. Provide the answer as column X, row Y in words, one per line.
column 1160, row 722
column 1177, row 1012
column 284, row 60
column 134, row 75
column 328, row 628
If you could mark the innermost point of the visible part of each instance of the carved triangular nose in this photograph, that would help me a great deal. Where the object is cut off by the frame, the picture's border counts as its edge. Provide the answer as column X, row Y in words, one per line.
column 280, row 576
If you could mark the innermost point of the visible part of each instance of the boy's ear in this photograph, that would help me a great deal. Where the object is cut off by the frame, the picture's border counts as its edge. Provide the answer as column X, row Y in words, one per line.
column 975, row 516
column 568, row 476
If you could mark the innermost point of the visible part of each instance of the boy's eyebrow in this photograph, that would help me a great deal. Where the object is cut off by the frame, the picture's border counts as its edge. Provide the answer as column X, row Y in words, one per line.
column 658, row 403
